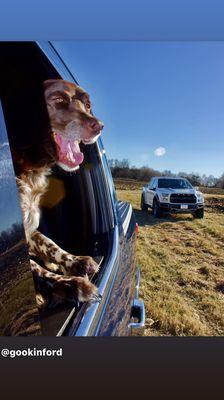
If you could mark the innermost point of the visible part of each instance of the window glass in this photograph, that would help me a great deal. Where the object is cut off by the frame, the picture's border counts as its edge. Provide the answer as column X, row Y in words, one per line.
column 174, row 184
column 153, row 183
column 112, row 197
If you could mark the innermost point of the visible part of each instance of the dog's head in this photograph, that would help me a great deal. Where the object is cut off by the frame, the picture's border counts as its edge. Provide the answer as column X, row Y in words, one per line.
column 71, row 121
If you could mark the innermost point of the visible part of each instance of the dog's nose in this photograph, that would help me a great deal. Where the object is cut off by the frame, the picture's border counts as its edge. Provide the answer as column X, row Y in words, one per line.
column 96, row 125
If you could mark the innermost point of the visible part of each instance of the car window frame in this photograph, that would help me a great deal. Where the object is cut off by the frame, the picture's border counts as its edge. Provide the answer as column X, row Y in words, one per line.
column 150, row 183
column 155, row 184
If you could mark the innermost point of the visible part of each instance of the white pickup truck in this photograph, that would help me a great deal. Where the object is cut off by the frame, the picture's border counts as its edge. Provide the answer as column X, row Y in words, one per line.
column 172, row 195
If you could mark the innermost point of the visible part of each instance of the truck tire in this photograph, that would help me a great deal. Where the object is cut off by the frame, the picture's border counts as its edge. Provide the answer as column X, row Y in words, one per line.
column 156, row 210
column 144, row 206
column 199, row 213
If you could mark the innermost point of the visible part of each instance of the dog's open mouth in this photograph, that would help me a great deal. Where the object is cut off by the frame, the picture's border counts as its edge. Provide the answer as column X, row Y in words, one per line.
column 68, row 151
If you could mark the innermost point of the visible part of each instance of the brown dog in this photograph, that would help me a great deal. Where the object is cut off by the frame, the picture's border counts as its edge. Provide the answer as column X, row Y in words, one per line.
column 71, row 122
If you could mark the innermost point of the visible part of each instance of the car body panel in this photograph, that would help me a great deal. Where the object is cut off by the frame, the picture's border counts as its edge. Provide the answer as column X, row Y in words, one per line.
column 19, row 313
column 118, row 310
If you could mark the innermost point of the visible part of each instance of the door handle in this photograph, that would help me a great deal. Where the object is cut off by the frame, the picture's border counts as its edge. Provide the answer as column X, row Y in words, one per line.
column 137, row 313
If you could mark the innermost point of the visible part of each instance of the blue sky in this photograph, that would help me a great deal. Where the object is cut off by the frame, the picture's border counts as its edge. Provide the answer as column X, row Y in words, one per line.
column 156, row 94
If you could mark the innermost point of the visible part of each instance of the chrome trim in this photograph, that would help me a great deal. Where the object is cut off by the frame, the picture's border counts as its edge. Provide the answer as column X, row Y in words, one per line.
column 123, row 207
column 138, row 278
column 140, row 307
column 101, row 153
column 68, row 319
column 99, row 150
column 55, row 59
column 90, row 323
column 107, row 186
column 126, row 222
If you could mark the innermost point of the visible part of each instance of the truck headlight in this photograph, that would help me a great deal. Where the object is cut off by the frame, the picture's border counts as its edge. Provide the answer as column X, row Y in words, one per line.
column 164, row 197
column 200, row 198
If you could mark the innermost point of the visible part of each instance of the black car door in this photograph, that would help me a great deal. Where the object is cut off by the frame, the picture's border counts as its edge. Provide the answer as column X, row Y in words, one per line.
column 19, row 315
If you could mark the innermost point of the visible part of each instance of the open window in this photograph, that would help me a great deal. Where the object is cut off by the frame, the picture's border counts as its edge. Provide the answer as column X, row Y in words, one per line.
column 76, row 210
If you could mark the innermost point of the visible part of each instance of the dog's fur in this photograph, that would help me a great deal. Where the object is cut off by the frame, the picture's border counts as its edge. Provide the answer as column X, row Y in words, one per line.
column 71, row 121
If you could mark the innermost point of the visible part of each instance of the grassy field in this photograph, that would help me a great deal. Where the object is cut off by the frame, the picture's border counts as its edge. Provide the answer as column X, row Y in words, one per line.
column 182, row 267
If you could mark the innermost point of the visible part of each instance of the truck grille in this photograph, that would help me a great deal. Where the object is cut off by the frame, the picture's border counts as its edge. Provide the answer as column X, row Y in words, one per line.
column 183, row 198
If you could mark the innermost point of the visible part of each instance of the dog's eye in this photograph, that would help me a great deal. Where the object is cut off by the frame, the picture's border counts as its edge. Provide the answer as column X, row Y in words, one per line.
column 59, row 100
column 88, row 106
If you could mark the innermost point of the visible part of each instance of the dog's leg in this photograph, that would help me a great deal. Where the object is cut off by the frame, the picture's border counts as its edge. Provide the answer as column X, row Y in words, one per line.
column 52, row 267
column 48, row 251
column 42, row 301
column 63, row 288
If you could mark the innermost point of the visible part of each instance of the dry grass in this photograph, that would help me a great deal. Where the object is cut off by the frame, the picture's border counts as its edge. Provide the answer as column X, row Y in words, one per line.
column 182, row 268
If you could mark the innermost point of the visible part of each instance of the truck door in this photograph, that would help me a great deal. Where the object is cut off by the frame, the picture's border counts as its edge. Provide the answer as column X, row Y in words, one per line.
column 19, row 315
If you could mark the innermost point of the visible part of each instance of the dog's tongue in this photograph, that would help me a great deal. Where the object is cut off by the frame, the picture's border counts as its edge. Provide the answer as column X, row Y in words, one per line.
column 68, row 151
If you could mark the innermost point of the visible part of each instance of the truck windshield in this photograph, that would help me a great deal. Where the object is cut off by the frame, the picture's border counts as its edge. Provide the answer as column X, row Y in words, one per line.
column 174, row 184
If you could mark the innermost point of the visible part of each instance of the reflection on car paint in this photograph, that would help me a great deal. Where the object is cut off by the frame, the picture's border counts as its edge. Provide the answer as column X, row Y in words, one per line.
column 19, row 315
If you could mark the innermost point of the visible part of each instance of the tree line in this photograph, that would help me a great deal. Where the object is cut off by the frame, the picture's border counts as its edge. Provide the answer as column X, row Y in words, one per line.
column 122, row 169
column 10, row 237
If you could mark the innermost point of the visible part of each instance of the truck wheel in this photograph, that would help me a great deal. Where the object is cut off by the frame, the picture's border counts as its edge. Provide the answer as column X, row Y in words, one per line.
column 156, row 210
column 144, row 206
column 199, row 213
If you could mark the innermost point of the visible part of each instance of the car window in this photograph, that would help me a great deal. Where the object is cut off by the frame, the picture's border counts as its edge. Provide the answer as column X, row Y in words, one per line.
column 108, row 182
column 154, row 183
column 151, row 183
column 174, row 184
